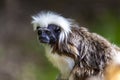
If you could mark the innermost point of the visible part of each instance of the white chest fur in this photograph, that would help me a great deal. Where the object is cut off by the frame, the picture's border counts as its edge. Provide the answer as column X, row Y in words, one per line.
column 63, row 63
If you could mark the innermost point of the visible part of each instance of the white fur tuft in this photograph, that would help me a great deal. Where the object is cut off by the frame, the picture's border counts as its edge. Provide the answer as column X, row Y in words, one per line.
column 116, row 58
column 43, row 19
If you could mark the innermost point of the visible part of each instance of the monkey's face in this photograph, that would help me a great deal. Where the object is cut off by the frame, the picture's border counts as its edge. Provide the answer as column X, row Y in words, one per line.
column 49, row 34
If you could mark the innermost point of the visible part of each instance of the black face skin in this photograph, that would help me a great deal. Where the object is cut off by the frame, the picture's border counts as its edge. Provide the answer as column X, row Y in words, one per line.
column 49, row 34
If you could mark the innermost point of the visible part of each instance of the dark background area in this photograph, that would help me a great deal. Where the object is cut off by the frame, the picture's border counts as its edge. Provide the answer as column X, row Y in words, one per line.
column 21, row 56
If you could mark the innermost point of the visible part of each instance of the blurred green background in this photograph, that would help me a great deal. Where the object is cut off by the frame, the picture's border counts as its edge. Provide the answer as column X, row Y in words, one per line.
column 21, row 56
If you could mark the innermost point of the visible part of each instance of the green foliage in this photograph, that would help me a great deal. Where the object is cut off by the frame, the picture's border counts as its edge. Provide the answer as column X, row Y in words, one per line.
column 46, row 73
column 108, row 25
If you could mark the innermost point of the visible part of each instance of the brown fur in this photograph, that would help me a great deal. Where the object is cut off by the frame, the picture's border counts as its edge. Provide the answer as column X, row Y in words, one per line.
column 91, row 52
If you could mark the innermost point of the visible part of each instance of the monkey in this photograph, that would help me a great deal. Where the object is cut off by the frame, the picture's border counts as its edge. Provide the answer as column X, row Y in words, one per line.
column 75, row 51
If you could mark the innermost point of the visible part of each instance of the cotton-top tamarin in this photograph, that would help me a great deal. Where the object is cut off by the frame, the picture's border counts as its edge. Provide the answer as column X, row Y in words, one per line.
column 77, row 53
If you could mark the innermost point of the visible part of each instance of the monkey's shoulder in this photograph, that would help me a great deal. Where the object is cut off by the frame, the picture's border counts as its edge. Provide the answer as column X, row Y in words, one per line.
column 82, row 35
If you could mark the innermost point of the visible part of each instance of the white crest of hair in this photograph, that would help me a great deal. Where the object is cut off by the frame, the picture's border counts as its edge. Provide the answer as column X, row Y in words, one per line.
column 43, row 19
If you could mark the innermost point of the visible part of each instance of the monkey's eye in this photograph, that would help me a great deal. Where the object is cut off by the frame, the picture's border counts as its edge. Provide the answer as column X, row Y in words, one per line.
column 54, row 28
column 39, row 32
column 37, row 27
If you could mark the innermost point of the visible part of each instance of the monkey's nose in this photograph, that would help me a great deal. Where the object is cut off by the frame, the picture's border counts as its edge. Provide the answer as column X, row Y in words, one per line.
column 44, row 39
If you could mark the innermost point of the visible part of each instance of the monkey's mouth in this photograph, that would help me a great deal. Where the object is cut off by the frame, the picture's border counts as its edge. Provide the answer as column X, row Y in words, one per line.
column 44, row 40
